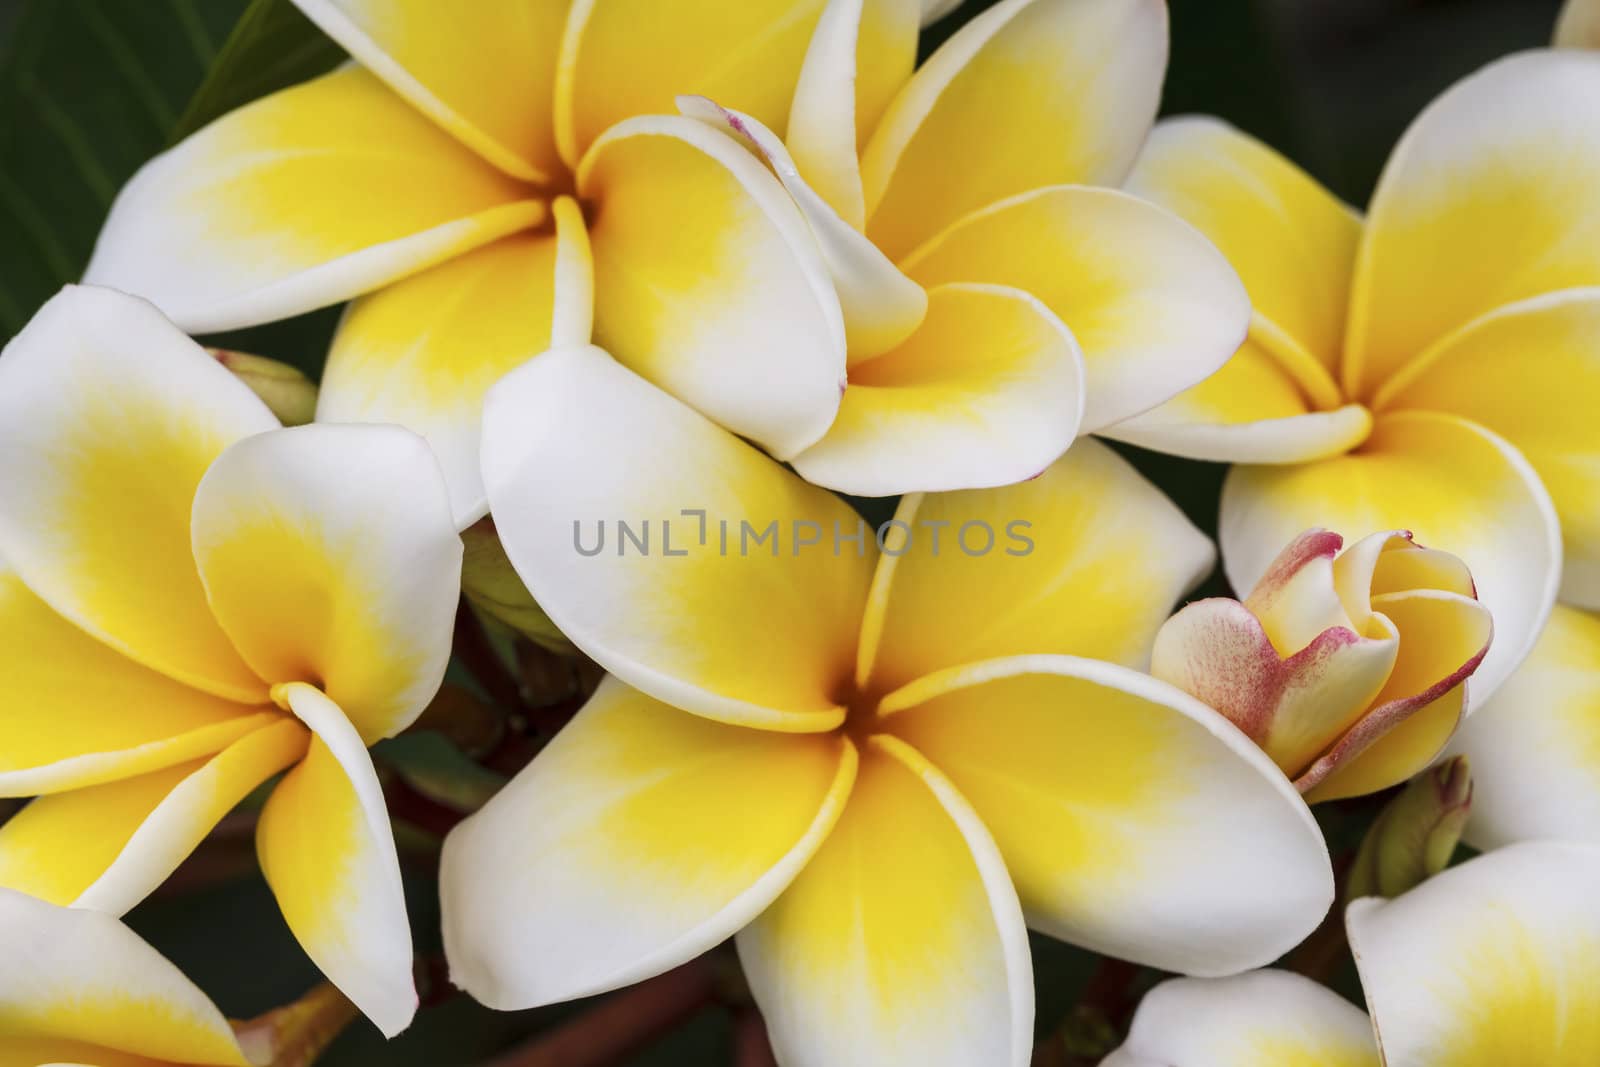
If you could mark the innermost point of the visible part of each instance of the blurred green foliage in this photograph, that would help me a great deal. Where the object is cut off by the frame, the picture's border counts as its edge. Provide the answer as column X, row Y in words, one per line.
column 90, row 89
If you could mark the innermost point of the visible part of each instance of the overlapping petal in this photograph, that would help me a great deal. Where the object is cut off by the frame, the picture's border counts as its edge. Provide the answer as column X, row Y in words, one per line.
column 328, row 853
column 986, row 573
column 621, row 58
column 1535, row 748
column 691, row 619
column 1029, row 93
column 901, row 943
column 1493, row 962
column 304, row 198
column 440, row 65
column 1482, row 204
column 1260, row 1019
column 80, row 987
column 422, row 353
column 1135, row 821
column 1292, row 242
column 329, row 556
column 708, row 281
column 1455, row 485
column 1153, row 304
column 639, row 839
column 880, row 305
column 108, row 846
column 1518, row 371
column 863, row 51
column 79, row 713
column 108, row 419
column 988, row 391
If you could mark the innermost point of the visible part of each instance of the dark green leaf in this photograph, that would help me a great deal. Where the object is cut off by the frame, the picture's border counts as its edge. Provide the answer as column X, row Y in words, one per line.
column 89, row 90
column 271, row 47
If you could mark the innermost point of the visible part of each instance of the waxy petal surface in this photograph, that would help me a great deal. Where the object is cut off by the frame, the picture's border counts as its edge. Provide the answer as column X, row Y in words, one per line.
column 108, row 419
column 108, row 846
column 986, row 573
column 304, row 198
column 640, row 838
column 330, row 557
column 485, row 71
column 1483, row 203
column 328, row 852
column 726, row 614
column 1135, row 821
column 1029, row 93
column 1260, row 1019
column 80, row 986
column 988, row 391
column 901, row 943
column 1153, row 304
column 422, row 353
column 1490, row 963
column 708, row 280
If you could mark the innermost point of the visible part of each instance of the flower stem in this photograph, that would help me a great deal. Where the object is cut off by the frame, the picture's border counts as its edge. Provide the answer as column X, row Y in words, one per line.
column 296, row 1034
column 626, row 1022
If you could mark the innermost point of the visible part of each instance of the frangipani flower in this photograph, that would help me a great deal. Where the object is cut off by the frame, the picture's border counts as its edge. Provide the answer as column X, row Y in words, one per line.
column 1491, row 964
column 79, row 987
column 488, row 178
column 872, row 766
column 995, row 303
column 207, row 601
column 1348, row 668
column 1433, row 367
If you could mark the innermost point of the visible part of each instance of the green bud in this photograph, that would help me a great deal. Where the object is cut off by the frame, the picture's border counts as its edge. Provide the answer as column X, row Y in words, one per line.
column 493, row 587
column 1415, row 835
column 289, row 394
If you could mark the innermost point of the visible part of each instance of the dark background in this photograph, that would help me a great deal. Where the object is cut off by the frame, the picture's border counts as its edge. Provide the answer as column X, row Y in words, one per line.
column 89, row 89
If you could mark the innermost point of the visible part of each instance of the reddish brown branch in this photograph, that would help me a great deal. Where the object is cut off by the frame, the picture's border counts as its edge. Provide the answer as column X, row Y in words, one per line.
column 624, row 1023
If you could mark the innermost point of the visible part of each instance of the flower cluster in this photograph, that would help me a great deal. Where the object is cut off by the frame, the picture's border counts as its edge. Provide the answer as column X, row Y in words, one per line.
column 743, row 265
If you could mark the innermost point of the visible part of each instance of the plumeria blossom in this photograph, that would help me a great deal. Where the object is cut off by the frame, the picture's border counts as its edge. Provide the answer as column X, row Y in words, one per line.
column 1488, row 964
column 79, row 987
column 489, row 178
column 209, row 601
column 876, row 767
column 1433, row 366
column 1349, row 668
column 936, row 239
column 997, row 298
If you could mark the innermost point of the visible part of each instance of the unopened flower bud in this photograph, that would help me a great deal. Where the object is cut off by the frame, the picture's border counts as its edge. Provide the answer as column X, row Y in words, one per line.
column 1416, row 834
column 492, row 585
column 1347, row 668
column 290, row 395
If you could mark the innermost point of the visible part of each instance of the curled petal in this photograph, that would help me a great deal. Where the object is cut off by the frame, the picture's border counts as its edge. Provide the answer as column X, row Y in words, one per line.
column 708, row 280
column 988, row 391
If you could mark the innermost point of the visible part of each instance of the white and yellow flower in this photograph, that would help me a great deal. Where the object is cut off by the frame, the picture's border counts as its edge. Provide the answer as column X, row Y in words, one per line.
column 208, row 601
column 79, row 987
column 1348, row 668
column 494, row 183
column 998, row 299
column 875, row 767
column 1432, row 367
column 1493, row 963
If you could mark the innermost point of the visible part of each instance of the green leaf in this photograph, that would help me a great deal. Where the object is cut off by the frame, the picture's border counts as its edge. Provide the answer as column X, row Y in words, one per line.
column 89, row 90
column 271, row 47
